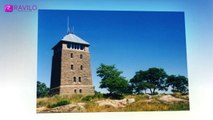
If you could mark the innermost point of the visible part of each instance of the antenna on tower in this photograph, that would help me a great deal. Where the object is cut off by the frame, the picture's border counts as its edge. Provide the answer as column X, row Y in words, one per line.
column 68, row 26
column 73, row 29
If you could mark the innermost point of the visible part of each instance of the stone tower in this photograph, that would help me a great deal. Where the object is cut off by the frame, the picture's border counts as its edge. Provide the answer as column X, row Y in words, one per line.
column 71, row 72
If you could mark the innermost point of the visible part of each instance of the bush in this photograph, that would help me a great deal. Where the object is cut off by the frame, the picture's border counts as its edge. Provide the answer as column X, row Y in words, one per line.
column 60, row 103
column 114, row 96
column 87, row 98
column 98, row 95
column 42, row 90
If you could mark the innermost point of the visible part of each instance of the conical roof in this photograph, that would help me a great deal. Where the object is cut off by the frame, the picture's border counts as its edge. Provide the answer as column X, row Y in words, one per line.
column 70, row 37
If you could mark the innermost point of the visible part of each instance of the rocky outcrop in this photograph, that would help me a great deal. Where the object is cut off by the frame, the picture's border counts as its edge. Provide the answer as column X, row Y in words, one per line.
column 169, row 98
column 78, row 107
column 115, row 103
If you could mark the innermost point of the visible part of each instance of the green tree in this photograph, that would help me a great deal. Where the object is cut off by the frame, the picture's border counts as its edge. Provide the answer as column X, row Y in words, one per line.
column 42, row 90
column 178, row 83
column 112, row 80
column 138, row 82
column 152, row 79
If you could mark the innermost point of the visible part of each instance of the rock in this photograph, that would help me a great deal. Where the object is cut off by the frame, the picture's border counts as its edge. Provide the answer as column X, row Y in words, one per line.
column 82, row 104
column 148, row 96
column 130, row 100
column 169, row 98
column 41, row 109
column 112, row 103
column 106, row 103
column 77, row 107
column 123, row 101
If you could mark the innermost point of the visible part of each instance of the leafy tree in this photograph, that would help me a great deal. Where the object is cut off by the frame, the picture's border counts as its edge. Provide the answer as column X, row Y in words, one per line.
column 112, row 79
column 178, row 83
column 152, row 79
column 42, row 90
column 138, row 83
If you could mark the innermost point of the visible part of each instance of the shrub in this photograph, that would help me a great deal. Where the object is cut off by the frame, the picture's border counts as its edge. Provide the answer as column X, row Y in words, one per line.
column 114, row 96
column 98, row 95
column 42, row 90
column 87, row 98
column 60, row 103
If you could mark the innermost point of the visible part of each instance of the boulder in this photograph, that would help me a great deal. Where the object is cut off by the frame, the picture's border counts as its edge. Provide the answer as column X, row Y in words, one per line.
column 130, row 100
column 77, row 107
column 115, row 103
column 112, row 103
column 148, row 96
column 169, row 98
column 106, row 103
column 41, row 109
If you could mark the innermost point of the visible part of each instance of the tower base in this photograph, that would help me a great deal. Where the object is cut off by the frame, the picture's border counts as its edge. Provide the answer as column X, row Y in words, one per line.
column 73, row 89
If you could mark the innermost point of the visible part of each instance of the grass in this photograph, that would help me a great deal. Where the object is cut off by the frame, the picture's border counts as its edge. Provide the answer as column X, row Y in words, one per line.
column 60, row 103
column 48, row 101
column 140, row 103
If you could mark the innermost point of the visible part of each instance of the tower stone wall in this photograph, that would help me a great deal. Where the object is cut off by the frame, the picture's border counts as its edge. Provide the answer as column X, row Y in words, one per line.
column 71, row 69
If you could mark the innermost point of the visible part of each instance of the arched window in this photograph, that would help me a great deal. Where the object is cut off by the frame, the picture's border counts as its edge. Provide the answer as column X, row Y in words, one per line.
column 81, row 67
column 75, row 91
column 72, row 67
column 74, row 79
column 79, row 79
column 81, row 56
column 80, row 91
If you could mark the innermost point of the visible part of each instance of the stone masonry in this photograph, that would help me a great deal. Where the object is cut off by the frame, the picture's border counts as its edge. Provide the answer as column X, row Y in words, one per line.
column 71, row 70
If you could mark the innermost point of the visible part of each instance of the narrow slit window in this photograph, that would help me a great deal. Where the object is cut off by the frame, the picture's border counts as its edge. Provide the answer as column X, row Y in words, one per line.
column 74, row 79
column 81, row 67
column 72, row 67
column 79, row 79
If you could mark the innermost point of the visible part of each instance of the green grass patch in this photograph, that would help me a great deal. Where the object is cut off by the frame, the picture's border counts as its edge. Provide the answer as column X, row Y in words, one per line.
column 60, row 103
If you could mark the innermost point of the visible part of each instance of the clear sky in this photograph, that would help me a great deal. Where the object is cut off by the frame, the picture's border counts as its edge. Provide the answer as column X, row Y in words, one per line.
column 131, row 40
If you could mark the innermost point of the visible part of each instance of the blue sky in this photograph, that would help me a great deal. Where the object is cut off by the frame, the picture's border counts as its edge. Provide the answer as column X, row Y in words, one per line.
column 131, row 40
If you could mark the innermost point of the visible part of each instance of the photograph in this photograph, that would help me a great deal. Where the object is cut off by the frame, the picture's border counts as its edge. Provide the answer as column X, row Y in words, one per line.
column 111, row 61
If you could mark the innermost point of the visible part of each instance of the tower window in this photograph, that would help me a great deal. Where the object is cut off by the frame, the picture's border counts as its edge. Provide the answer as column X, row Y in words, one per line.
column 74, row 79
column 81, row 47
column 77, row 46
column 74, row 46
column 79, row 79
column 75, row 91
column 81, row 67
column 71, row 55
column 80, row 91
column 69, row 45
column 72, row 67
column 81, row 56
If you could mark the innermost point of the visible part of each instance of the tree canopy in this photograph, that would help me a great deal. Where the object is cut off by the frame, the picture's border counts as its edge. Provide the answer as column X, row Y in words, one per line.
column 178, row 83
column 42, row 90
column 112, row 80
column 152, row 79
